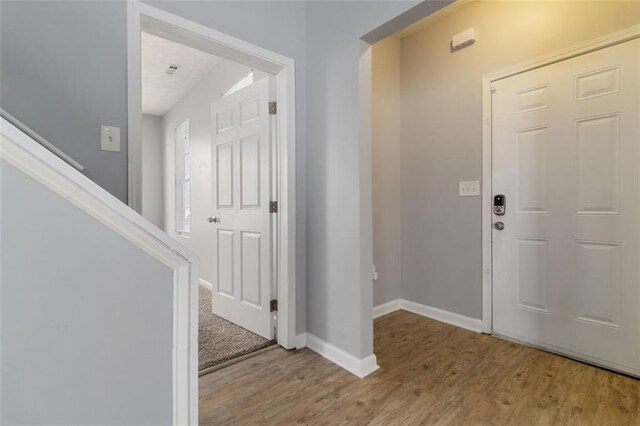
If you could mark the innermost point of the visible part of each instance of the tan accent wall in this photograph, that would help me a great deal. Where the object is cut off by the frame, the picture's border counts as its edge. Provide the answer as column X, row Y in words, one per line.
column 441, row 132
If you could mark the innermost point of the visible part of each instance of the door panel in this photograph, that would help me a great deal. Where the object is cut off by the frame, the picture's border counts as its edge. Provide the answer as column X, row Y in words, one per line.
column 241, row 192
column 598, row 289
column 566, row 271
column 250, row 173
column 598, row 164
column 531, row 167
column 224, row 261
column 224, row 178
column 251, row 258
column 532, row 280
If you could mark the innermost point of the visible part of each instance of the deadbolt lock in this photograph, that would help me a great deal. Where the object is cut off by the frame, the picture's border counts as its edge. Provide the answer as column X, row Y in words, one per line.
column 499, row 205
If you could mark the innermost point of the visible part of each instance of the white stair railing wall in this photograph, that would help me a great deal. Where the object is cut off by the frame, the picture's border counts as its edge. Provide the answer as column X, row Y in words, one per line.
column 98, row 307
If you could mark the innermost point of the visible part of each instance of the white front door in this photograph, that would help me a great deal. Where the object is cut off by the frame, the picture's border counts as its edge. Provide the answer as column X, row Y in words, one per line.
column 241, row 167
column 565, row 157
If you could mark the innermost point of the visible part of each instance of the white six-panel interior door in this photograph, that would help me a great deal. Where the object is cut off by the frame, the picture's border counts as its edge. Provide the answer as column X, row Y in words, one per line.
column 241, row 170
column 565, row 155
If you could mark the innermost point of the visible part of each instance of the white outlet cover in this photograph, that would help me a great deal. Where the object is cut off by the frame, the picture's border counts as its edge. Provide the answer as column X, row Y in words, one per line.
column 469, row 188
column 110, row 138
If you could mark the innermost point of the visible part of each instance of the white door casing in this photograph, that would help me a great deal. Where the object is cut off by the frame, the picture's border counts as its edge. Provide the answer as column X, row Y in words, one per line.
column 241, row 191
column 565, row 154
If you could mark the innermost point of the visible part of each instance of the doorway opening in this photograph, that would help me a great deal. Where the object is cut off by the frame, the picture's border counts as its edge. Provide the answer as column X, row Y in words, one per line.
column 209, row 162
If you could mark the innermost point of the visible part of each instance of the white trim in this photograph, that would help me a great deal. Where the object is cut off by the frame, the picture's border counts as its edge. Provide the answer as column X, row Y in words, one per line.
column 437, row 314
column 441, row 315
column 27, row 155
column 134, row 104
column 42, row 141
column 185, row 324
column 360, row 367
column 486, row 215
column 368, row 365
column 180, row 178
column 571, row 52
column 173, row 27
column 386, row 308
column 487, row 80
column 206, row 284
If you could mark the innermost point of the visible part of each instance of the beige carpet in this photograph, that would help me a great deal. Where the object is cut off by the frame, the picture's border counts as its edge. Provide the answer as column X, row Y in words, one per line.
column 220, row 340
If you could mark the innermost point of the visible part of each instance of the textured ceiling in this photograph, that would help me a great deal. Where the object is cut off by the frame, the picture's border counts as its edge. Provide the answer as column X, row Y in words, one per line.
column 160, row 91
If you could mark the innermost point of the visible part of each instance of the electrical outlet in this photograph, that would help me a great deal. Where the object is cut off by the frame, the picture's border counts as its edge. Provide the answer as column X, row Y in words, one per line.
column 469, row 188
column 110, row 138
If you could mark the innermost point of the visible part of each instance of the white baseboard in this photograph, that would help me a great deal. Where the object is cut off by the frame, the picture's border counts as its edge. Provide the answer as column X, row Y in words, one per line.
column 206, row 284
column 437, row 314
column 458, row 320
column 386, row 308
column 360, row 367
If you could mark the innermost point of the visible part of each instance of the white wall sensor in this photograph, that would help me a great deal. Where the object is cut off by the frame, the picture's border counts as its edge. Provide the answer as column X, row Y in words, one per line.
column 463, row 39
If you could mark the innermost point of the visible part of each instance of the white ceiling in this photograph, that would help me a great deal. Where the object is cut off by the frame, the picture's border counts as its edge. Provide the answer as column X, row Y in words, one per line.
column 160, row 91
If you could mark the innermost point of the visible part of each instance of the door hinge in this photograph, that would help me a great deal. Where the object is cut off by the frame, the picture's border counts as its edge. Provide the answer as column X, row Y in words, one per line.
column 273, row 305
column 273, row 207
column 273, row 108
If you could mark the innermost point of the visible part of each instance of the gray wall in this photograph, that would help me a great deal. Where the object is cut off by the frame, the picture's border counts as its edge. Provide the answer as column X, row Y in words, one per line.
column 63, row 73
column 86, row 316
column 386, row 169
column 196, row 106
column 339, row 249
column 442, row 130
column 152, row 170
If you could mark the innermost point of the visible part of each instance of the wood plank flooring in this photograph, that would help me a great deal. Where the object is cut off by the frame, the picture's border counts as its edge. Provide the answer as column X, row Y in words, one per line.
column 430, row 373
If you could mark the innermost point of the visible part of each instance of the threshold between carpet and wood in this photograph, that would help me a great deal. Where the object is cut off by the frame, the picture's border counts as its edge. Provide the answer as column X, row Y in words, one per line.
column 221, row 342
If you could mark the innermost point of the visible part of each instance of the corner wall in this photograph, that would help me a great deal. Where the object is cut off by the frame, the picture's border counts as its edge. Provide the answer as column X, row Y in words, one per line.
column 339, row 249
column 386, row 169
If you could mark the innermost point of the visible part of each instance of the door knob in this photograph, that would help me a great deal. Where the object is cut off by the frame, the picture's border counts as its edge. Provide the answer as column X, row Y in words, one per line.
column 499, row 226
column 213, row 219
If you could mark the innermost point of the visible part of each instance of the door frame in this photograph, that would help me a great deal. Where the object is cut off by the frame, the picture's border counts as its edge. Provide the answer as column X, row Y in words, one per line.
column 141, row 16
column 487, row 82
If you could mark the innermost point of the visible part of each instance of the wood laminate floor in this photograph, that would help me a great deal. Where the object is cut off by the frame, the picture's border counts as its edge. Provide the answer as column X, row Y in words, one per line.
column 430, row 373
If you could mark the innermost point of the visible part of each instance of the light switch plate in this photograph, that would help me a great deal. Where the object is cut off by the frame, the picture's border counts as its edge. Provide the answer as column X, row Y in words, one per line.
column 469, row 188
column 110, row 138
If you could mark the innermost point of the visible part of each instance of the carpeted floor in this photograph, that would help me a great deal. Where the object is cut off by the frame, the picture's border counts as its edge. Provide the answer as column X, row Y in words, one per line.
column 220, row 340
